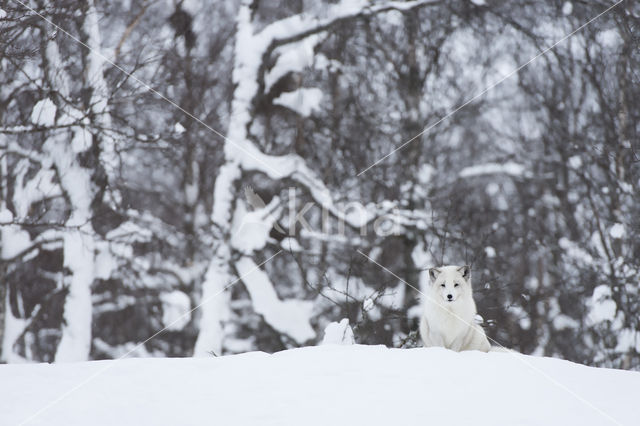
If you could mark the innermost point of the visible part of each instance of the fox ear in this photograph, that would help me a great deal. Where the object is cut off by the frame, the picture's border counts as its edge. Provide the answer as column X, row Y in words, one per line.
column 465, row 271
column 433, row 273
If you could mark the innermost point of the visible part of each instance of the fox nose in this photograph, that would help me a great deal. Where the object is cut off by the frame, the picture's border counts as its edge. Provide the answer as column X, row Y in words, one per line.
column 449, row 296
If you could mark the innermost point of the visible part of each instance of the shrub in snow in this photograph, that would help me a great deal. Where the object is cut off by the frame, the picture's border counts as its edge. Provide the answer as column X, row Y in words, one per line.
column 338, row 333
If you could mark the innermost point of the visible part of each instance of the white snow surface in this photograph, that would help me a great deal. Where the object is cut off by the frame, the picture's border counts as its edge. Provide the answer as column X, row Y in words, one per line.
column 175, row 310
column 617, row 231
column 490, row 252
column 179, row 128
column 14, row 239
column 338, row 333
column 324, row 385
column 602, row 307
column 304, row 101
column 44, row 113
column 508, row 168
column 250, row 229
column 291, row 317
column 294, row 57
column 575, row 162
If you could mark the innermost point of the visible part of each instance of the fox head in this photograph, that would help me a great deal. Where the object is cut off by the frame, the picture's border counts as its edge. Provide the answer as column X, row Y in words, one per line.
column 450, row 282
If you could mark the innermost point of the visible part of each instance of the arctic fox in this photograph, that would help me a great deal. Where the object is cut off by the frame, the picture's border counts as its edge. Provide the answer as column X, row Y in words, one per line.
column 449, row 311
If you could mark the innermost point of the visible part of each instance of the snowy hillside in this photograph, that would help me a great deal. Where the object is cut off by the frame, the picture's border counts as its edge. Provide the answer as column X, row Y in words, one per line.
column 326, row 385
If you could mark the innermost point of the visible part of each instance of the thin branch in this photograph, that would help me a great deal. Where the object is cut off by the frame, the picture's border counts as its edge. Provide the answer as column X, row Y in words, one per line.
column 129, row 29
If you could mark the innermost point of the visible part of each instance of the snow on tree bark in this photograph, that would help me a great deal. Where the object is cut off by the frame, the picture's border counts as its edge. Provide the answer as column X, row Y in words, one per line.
column 242, row 155
column 215, row 304
column 76, row 181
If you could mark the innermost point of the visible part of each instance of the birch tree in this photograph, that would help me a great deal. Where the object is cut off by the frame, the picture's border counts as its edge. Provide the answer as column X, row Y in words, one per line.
column 243, row 155
column 73, row 136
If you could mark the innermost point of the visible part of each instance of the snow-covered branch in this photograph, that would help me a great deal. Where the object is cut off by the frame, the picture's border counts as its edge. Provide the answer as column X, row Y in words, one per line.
column 297, row 27
column 290, row 317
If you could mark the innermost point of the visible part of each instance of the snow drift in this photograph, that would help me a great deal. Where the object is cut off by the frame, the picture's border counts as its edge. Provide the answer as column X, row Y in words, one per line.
column 326, row 385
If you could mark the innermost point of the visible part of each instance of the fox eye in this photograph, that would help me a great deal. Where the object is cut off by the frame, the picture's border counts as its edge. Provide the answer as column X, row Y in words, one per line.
column 442, row 285
column 456, row 285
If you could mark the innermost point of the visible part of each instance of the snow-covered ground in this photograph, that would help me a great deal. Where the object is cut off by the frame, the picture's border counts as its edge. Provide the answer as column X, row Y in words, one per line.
column 325, row 385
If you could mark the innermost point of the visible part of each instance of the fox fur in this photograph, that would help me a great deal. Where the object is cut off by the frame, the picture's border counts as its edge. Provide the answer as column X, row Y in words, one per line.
column 449, row 313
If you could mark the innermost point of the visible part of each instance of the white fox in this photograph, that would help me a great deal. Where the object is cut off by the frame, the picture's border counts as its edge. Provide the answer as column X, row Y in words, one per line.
column 449, row 311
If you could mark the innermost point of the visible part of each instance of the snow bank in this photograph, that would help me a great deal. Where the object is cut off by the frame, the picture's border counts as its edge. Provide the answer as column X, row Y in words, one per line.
column 338, row 333
column 325, row 385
